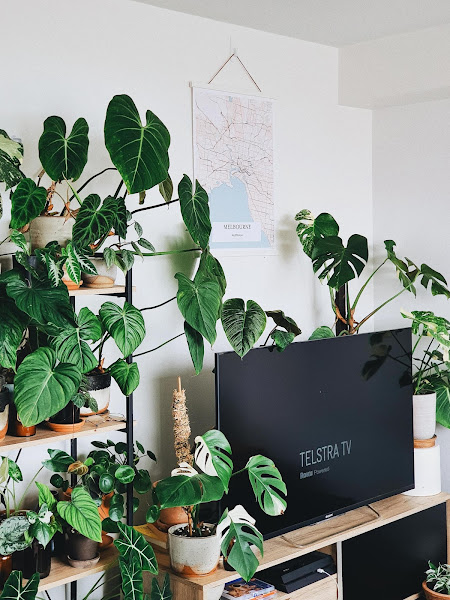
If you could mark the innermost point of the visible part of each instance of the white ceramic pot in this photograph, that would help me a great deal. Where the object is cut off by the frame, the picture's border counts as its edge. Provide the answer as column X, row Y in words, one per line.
column 48, row 229
column 193, row 556
column 424, row 416
column 105, row 278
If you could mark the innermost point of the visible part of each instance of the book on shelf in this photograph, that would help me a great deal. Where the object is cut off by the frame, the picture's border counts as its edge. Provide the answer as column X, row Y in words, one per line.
column 153, row 535
column 243, row 590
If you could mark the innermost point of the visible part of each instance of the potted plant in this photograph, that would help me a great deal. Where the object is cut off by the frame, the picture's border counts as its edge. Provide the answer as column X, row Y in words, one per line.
column 431, row 374
column 69, row 419
column 195, row 546
column 4, row 407
column 437, row 583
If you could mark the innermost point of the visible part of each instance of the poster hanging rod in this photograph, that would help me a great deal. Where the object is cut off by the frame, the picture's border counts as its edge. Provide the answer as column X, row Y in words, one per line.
column 235, row 55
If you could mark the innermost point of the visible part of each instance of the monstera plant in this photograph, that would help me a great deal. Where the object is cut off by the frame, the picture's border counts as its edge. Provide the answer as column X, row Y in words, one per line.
column 337, row 264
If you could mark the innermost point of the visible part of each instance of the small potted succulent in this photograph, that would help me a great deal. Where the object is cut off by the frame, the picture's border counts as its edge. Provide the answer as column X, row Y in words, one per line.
column 195, row 546
column 437, row 584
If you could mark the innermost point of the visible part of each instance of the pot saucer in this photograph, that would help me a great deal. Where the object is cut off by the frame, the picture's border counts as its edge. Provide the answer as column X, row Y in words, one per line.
column 83, row 564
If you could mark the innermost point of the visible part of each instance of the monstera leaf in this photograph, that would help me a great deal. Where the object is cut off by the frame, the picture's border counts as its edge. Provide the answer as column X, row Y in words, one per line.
column 13, row 589
column 132, row 545
column 132, row 580
column 210, row 269
column 188, row 490
column 94, row 220
column 12, row 535
column 81, row 513
column 239, row 534
column 243, row 326
column 12, row 326
column 126, row 375
column 139, row 152
column 11, row 155
column 426, row 323
column 438, row 282
column 407, row 271
column 42, row 302
column 195, row 211
column 267, row 484
column 42, row 387
column 72, row 344
column 61, row 157
column 213, row 456
column 27, row 202
column 125, row 325
column 309, row 229
column 342, row 263
column 195, row 345
column 199, row 303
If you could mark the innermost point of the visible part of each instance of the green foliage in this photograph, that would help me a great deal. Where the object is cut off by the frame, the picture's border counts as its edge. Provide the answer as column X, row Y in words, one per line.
column 14, row 589
column 81, row 513
column 310, row 229
column 213, row 456
column 267, row 484
column 195, row 211
column 166, row 189
column 139, row 152
column 132, row 580
column 321, row 333
column 281, row 320
column 210, row 269
column 406, row 270
column 132, row 545
column 439, row 578
column 11, row 155
column 61, row 157
column 337, row 263
column 195, row 345
column 161, row 592
column 27, row 202
column 436, row 281
column 243, row 325
column 59, row 461
column 13, row 535
column 126, row 375
column 125, row 325
column 95, row 219
column 282, row 339
column 12, row 328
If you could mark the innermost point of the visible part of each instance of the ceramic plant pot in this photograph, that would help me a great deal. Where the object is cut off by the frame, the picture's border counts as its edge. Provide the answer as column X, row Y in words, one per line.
column 105, row 278
column 80, row 548
column 71, row 285
column 34, row 559
column 48, row 229
column 193, row 556
column 6, row 566
column 99, row 387
column 430, row 595
column 424, row 416
column 15, row 425
column 4, row 412
column 66, row 420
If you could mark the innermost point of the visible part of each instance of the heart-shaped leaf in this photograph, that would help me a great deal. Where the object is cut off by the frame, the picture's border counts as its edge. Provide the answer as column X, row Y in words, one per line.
column 81, row 513
column 321, row 333
column 310, row 229
column 27, row 202
column 210, row 269
column 213, row 456
column 14, row 589
column 142, row 482
column 199, row 303
column 126, row 375
column 132, row 544
column 243, row 326
column 282, row 320
column 267, row 484
column 42, row 387
column 282, row 339
column 139, row 152
column 132, row 580
column 195, row 211
column 116, row 508
column 125, row 325
column 46, row 497
column 106, row 483
column 195, row 345
column 12, row 327
column 61, row 157
column 11, row 155
column 443, row 401
column 59, row 461
column 95, row 219
column 342, row 263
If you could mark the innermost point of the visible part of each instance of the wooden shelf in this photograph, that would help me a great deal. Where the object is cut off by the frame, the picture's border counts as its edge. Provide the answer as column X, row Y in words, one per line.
column 115, row 289
column 44, row 435
column 62, row 573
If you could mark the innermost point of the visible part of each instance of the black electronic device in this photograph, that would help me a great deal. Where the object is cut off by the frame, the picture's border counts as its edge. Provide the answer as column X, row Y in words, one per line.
column 285, row 573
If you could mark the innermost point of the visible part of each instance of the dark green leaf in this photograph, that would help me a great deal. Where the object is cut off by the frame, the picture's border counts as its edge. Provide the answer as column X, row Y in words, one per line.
column 146, row 244
column 94, row 220
column 116, row 508
column 199, row 304
column 120, row 447
column 210, row 269
column 59, row 461
column 195, row 211
column 45, row 495
column 14, row 589
column 243, row 326
column 132, row 544
column 132, row 580
column 331, row 258
column 407, row 271
column 61, row 157
column 161, row 593
column 438, row 281
column 120, row 222
column 126, row 375
column 106, row 483
column 237, row 540
column 81, row 513
column 321, row 333
column 13, row 324
column 125, row 325
column 153, row 513
column 166, row 189
column 282, row 339
column 142, row 482
column 282, row 320
column 125, row 474
column 56, row 480
column 309, row 230
column 27, row 202
column 196, row 347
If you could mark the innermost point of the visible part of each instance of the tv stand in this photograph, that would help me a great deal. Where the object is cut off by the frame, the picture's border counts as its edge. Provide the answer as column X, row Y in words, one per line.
column 279, row 549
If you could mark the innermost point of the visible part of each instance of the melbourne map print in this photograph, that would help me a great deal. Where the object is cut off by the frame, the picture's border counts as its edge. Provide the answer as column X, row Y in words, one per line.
column 233, row 161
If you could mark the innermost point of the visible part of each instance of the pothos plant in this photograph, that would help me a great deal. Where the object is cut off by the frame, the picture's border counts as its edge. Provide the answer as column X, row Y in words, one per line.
column 208, row 480
column 337, row 264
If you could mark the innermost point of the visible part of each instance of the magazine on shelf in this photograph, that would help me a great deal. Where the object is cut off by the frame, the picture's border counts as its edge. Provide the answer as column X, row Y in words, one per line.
column 255, row 588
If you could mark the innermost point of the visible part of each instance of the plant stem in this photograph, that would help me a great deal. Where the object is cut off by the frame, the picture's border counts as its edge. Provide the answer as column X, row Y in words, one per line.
column 379, row 308
column 158, row 347
column 267, row 339
column 158, row 305
column 90, row 179
column 133, row 212
column 117, row 192
column 198, row 249
column 19, row 504
column 358, row 295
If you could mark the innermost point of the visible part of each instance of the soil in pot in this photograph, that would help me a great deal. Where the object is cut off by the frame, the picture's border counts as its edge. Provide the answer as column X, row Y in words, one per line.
column 34, row 559
column 193, row 556
column 67, row 419
column 81, row 548
column 105, row 278
column 99, row 386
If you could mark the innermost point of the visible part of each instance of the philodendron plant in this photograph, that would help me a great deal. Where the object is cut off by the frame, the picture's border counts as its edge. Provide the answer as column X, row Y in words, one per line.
column 337, row 265
column 208, row 480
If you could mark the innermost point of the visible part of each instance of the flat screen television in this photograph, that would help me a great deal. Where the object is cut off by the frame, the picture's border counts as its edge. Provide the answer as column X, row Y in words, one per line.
column 335, row 415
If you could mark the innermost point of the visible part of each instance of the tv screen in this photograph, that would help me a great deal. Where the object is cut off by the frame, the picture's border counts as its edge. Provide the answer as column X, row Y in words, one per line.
column 335, row 415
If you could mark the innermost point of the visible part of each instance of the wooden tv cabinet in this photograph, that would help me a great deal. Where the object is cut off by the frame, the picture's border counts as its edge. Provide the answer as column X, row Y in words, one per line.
column 325, row 536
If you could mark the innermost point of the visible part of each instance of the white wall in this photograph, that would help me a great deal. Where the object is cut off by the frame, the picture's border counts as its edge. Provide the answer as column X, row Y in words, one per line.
column 70, row 58
column 411, row 195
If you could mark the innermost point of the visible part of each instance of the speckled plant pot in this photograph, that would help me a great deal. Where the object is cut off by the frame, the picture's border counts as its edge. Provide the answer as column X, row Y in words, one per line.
column 193, row 556
column 105, row 278
column 48, row 229
column 99, row 387
column 424, row 416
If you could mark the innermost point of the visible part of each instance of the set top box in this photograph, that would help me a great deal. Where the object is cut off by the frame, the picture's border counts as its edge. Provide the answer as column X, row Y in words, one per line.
column 335, row 415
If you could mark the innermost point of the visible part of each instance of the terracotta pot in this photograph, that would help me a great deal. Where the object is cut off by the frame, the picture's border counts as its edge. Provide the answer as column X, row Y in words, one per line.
column 193, row 556
column 105, row 278
column 170, row 516
column 6, row 566
column 69, row 283
column 34, row 559
column 99, row 387
column 66, row 427
column 103, row 509
column 48, row 229
column 4, row 412
column 81, row 548
column 431, row 595
column 66, row 420
column 15, row 425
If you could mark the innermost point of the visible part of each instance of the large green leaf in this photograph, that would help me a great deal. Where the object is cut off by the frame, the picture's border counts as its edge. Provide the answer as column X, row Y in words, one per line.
column 210, row 269
column 407, row 271
column 41, row 301
column 243, row 326
column 341, row 263
column 125, row 325
column 282, row 339
column 59, row 461
column 42, row 387
column 195, row 211
column 310, row 229
column 13, row 323
column 321, row 333
column 46, row 497
column 71, row 344
column 443, row 402
column 132, row 544
column 14, row 589
column 11, row 154
column 426, row 323
column 161, row 592
column 213, row 456
column 267, row 484
column 126, row 375
column 27, row 202
column 81, row 513
column 187, row 490
column 437, row 280
column 95, row 219
column 61, row 157
column 12, row 535
column 195, row 345
column 284, row 321
column 199, row 304
column 139, row 152
column 132, row 580
column 238, row 537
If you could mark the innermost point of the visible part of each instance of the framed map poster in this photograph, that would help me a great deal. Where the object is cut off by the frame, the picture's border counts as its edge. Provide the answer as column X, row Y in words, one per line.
column 233, row 161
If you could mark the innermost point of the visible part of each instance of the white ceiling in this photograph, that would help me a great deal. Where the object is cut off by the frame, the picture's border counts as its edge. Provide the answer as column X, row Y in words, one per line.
column 330, row 22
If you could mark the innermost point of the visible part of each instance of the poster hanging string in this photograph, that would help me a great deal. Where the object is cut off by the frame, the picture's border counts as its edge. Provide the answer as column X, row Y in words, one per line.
column 234, row 55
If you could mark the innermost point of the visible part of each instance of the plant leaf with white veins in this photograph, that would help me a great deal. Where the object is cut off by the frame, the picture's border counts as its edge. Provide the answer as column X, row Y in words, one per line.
column 213, row 456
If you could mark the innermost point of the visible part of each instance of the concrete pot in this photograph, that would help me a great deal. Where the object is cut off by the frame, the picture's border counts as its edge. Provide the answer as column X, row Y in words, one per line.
column 99, row 387
column 81, row 548
column 193, row 556
column 105, row 278
column 424, row 416
column 48, row 229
